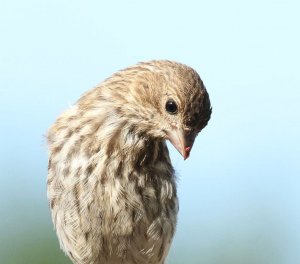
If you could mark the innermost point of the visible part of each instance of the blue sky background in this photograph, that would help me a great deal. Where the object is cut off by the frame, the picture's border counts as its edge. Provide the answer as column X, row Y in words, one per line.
column 240, row 189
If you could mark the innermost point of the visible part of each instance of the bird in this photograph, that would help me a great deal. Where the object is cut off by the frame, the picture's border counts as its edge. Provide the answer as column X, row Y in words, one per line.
column 111, row 185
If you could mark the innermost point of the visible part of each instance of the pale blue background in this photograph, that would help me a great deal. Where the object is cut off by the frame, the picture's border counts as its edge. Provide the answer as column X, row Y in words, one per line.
column 240, row 189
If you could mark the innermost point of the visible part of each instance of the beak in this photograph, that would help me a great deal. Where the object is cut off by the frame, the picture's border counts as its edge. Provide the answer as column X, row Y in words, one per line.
column 181, row 140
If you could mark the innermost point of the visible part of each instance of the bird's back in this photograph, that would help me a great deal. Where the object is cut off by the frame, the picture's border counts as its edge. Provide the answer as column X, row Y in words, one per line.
column 112, row 193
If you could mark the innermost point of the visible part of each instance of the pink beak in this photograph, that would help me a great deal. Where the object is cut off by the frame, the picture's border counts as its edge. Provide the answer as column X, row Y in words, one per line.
column 182, row 141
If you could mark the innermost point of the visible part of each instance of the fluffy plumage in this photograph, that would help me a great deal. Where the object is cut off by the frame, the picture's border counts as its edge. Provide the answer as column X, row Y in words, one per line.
column 111, row 185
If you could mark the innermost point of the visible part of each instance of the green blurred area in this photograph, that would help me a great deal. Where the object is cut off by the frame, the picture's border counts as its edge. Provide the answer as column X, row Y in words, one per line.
column 35, row 247
column 42, row 247
column 256, row 244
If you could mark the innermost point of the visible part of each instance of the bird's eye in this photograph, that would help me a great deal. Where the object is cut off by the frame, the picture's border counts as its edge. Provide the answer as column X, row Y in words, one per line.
column 171, row 107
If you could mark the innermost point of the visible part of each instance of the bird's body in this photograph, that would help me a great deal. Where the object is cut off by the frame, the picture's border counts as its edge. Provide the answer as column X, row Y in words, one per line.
column 111, row 185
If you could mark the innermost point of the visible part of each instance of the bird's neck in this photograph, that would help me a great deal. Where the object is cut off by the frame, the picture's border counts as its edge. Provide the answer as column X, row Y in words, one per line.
column 138, row 149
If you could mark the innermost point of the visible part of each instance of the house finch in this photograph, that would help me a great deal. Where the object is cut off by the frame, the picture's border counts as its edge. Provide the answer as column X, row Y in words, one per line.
column 111, row 184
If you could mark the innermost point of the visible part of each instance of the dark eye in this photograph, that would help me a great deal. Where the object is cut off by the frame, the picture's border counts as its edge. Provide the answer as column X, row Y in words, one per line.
column 171, row 107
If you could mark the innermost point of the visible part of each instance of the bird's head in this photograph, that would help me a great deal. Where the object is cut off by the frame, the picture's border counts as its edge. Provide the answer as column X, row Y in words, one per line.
column 164, row 100
column 185, row 113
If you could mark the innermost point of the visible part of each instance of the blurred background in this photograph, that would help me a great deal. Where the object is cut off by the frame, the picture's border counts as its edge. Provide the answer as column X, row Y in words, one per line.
column 239, row 191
